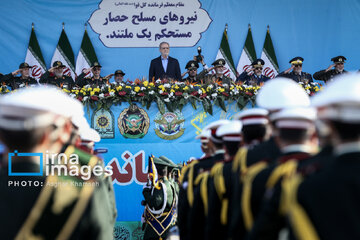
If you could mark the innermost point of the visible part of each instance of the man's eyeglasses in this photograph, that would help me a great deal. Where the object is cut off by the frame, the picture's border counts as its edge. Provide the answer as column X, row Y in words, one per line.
column 258, row 68
column 193, row 69
column 297, row 65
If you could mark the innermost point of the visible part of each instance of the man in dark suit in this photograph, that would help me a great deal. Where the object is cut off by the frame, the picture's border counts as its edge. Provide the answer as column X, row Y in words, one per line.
column 164, row 66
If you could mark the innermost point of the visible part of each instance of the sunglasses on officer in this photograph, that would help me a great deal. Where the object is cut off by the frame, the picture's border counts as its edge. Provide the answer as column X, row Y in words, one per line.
column 259, row 68
column 297, row 65
column 193, row 69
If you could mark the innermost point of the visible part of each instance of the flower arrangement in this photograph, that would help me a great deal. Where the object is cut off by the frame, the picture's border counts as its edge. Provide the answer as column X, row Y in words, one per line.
column 170, row 95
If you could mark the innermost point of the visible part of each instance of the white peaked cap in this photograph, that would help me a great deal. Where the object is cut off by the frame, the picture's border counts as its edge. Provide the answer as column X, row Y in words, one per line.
column 302, row 118
column 205, row 133
column 216, row 124
column 253, row 116
column 340, row 99
column 281, row 93
column 80, row 122
column 231, row 131
column 90, row 135
column 34, row 107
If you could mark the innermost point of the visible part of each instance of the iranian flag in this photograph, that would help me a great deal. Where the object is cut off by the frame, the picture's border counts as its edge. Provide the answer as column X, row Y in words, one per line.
column 248, row 54
column 34, row 57
column 271, row 67
column 65, row 54
column 86, row 56
column 224, row 52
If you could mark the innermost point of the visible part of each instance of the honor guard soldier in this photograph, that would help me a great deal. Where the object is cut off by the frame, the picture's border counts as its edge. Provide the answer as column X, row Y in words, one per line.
column 160, row 204
column 295, row 71
column 219, row 67
column 55, row 76
column 38, row 120
column 96, row 79
column 23, row 80
column 277, row 94
column 310, row 198
column 219, row 186
column 333, row 70
column 257, row 78
column 192, row 67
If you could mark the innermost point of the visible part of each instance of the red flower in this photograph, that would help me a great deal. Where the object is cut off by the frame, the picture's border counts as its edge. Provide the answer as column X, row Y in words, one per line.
column 225, row 94
column 178, row 93
column 249, row 94
column 312, row 93
column 94, row 98
column 141, row 94
column 165, row 93
column 106, row 94
column 204, row 95
column 122, row 93
column 80, row 98
column 194, row 93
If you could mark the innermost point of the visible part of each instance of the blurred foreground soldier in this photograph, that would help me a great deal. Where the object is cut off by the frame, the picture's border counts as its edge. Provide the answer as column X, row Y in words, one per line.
column 55, row 76
column 287, row 94
column 219, row 183
column 257, row 78
column 96, row 79
column 15, row 82
column 38, row 120
column 319, row 194
column 204, row 139
column 160, row 200
column 333, row 70
column 172, row 171
column 219, row 67
column 188, row 176
column 296, row 136
column 295, row 71
column 256, row 126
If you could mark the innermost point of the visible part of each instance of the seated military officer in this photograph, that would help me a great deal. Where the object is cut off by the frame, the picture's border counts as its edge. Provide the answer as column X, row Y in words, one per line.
column 333, row 70
column 257, row 77
column 15, row 82
column 219, row 66
column 96, row 79
column 295, row 71
column 55, row 76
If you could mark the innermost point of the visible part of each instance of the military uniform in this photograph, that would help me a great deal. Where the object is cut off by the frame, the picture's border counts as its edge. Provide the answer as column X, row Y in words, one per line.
column 82, row 80
column 63, row 81
column 303, row 77
column 223, row 79
column 329, row 75
column 60, row 207
column 160, row 207
column 15, row 82
column 253, row 79
column 324, row 205
column 197, row 79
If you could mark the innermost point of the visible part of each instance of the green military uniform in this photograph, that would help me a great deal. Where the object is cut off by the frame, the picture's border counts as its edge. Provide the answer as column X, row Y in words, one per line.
column 16, row 82
column 82, row 80
column 193, row 65
column 63, row 81
column 160, row 210
column 223, row 79
column 171, row 168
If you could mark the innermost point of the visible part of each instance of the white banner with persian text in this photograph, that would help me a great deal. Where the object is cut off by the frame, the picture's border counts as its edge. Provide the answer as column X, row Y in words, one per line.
column 146, row 24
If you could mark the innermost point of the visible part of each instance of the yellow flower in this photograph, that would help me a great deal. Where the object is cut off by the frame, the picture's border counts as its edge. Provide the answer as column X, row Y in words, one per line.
column 197, row 85
column 145, row 83
column 172, row 90
column 208, row 89
column 92, row 93
column 137, row 89
column 185, row 88
column 232, row 87
column 96, row 89
column 112, row 90
column 151, row 84
column 118, row 88
column 203, row 90
column 176, row 87
column 221, row 90
column 128, row 87
column 65, row 90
